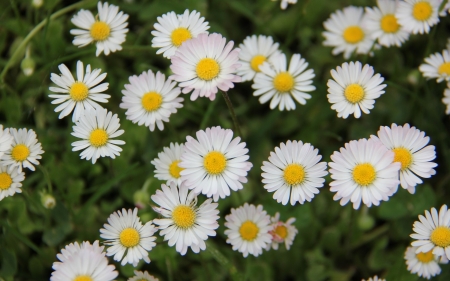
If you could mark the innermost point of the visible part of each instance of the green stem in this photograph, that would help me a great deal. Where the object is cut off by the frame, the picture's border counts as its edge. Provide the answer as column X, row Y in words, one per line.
column 223, row 261
column 233, row 115
column 370, row 236
column 47, row 178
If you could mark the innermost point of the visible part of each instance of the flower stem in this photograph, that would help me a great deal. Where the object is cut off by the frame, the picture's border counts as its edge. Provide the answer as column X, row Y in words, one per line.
column 233, row 115
column 223, row 261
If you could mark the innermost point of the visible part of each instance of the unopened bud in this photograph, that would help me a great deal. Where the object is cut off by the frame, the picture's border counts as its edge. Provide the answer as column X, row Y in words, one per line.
column 141, row 199
column 37, row 3
column 48, row 201
column 27, row 66
column 365, row 222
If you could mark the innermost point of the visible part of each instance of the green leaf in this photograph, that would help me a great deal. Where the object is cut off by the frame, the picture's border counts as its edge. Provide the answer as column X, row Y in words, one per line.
column 9, row 263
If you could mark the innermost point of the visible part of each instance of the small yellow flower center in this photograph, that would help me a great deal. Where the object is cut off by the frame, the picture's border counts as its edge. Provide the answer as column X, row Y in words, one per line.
column 389, row 24
column 353, row 34
column 403, row 156
column 83, row 278
column 98, row 137
column 422, row 11
column 281, row 231
column 183, row 216
column 354, row 93
column 79, row 91
column 5, row 180
column 151, row 101
column 444, row 68
column 20, row 152
column 180, row 35
column 100, row 31
column 129, row 237
column 364, row 174
column 248, row 230
column 174, row 169
column 207, row 69
column 215, row 162
column 425, row 257
column 294, row 174
column 441, row 236
column 283, row 82
column 256, row 62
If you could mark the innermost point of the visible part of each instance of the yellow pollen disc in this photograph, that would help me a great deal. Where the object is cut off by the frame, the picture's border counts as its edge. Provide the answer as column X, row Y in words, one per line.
column 180, row 35
column 353, row 34
column 207, row 69
column 20, row 152
column 215, row 162
column 98, row 137
column 256, row 62
column 441, row 236
column 294, row 174
column 389, row 24
column 79, row 91
column 248, row 231
column 422, row 11
column 129, row 237
column 403, row 156
column 281, row 231
column 151, row 101
column 83, row 278
column 354, row 93
column 444, row 68
column 5, row 180
column 364, row 174
column 100, row 31
column 425, row 257
column 183, row 216
column 283, row 82
column 174, row 169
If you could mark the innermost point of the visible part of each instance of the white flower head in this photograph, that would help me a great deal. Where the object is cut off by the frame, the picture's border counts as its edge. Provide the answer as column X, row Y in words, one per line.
column 417, row 16
column 282, row 232
column 423, row 264
column 166, row 165
column 5, row 140
column 142, row 276
column 375, row 278
column 437, row 66
column 446, row 98
column 284, row 3
column 10, row 181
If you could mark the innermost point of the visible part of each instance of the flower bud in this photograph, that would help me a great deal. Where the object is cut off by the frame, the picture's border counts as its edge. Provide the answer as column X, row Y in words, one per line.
column 27, row 66
column 48, row 201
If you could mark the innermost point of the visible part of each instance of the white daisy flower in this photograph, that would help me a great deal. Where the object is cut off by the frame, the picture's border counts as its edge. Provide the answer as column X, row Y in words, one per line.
column 142, row 276
column 284, row 3
column 254, row 51
column 204, row 65
column 432, row 232
column 424, row 264
column 97, row 128
column 150, row 99
column 184, row 224
column 383, row 25
column 10, row 181
column 411, row 150
column 354, row 89
column 417, row 16
column 346, row 32
column 446, row 99
column 81, row 94
column 248, row 229
column 214, row 163
column 172, row 30
column 363, row 171
column 107, row 29
column 375, row 278
column 25, row 150
column 282, row 232
column 283, row 85
column 437, row 66
column 129, row 241
column 83, row 262
column 294, row 172
column 5, row 140
column 166, row 164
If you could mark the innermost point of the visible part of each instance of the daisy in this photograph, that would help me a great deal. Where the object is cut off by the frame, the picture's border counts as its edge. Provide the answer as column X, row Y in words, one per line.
column 5, row 140
column 150, row 99
column 346, row 32
column 25, row 150
column 184, row 224
column 437, row 66
column 375, row 278
column 354, row 89
column 204, row 65
column 97, row 128
column 411, row 150
column 214, row 163
column 363, row 171
column 294, row 172
column 10, row 181
column 80, row 94
column 281, row 232
column 432, row 232
column 107, row 29
column 83, row 262
column 283, row 85
column 248, row 229
column 284, row 3
column 383, row 25
column 142, row 276
column 166, row 164
column 446, row 99
column 173, row 30
column 424, row 264
column 129, row 241
column 417, row 16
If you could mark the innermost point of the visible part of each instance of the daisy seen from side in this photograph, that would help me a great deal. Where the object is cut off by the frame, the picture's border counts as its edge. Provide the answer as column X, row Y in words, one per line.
column 282, row 232
column 417, row 16
column 446, row 99
column 10, row 181
column 437, row 66
column 166, row 165
column 142, row 276
column 425, row 265
column 5, row 140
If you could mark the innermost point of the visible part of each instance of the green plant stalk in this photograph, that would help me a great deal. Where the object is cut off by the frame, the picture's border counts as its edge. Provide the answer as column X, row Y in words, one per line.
column 47, row 178
column 233, row 115
column 223, row 261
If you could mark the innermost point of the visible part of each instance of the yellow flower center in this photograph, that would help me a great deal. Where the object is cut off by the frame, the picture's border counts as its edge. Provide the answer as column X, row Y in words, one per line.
column 422, row 11
column 283, row 82
column 354, row 93
column 256, row 62
column 79, row 91
column 100, row 31
column 364, row 174
column 20, row 152
column 353, row 34
column 403, row 156
column 98, row 137
column 444, row 68
column 83, row 278
column 129, row 237
column 425, row 257
column 215, row 162
column 5, row 180
column 281, row 231
column 174, row 169
column 183, row 216
column 294, row 174
column 441, row 236
column 248, row 230
column 180, row 35
column 389, row 24
column 151, row 101
column 207, row 69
